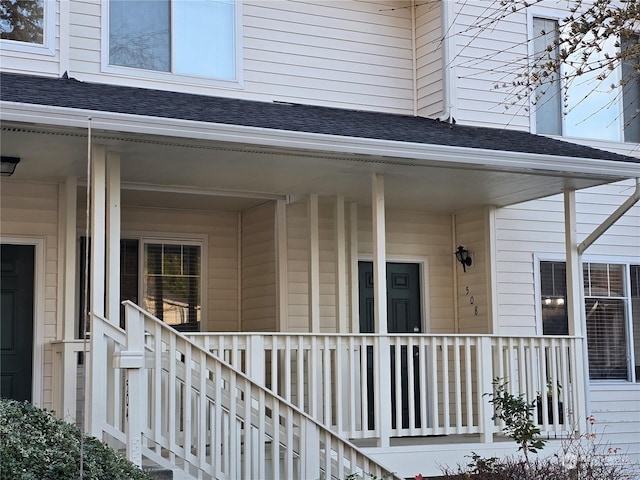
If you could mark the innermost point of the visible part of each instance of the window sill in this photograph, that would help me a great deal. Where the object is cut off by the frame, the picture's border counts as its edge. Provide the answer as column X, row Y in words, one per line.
column 171, row 78
column 24, row 48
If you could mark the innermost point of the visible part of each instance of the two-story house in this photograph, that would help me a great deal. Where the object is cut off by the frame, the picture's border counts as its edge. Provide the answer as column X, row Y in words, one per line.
column 328, row 233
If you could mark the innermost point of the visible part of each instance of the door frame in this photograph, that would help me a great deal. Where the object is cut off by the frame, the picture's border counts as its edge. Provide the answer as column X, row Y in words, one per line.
column 37, row 374
column 423, row 269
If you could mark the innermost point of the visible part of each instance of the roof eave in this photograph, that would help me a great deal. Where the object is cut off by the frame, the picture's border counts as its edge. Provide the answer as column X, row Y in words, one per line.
column 395, row 151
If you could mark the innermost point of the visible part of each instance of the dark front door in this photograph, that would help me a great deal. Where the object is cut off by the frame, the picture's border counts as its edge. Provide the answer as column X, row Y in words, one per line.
column 403, row 316
column 16, row 320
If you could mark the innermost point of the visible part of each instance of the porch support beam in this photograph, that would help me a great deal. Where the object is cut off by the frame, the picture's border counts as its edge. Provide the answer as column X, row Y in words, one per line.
column 613, row 218
column 282, row 265
column 341, row 267
column 574, row 268
column 314, row 265
column 67, row 258
column 95, row 404
column 113, row 238
column 382, row 365
column 354, row 294
column 379, row 254
column 575, row 309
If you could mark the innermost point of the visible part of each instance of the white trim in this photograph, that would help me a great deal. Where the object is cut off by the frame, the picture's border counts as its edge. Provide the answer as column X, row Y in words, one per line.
column 47, row 48
column 426, row 154
column 37, row 374
column 64, row 34
column 559, row 17
column 171, row 77
column 547, row 14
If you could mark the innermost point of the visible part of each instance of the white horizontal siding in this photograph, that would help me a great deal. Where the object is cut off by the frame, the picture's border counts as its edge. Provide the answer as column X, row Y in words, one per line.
column 616, row 409
column 343, row 53
column 489, row 54
column 538, row 228
column 220, row 230
column 474, row 310
column 429, row 59
column 31, row 210
column 259, row 269
column 419, row 236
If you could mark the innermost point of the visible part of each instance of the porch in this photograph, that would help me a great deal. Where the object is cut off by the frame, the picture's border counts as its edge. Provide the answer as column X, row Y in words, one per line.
column 435, row 398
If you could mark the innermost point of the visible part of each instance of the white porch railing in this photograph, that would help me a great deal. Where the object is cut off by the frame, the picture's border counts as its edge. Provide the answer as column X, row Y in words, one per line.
column 438, row 382
column 159, row 396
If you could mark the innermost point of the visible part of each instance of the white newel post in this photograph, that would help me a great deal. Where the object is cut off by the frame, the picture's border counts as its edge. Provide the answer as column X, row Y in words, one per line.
column 383, row 365
column 256, row 360
column 132, row 361
column 485, row 369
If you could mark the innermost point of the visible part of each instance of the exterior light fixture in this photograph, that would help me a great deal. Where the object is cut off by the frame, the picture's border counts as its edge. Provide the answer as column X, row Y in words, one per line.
column 8, row 165
column 462, row 255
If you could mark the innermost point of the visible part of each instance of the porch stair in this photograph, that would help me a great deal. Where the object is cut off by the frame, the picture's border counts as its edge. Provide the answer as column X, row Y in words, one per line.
column 170, row 403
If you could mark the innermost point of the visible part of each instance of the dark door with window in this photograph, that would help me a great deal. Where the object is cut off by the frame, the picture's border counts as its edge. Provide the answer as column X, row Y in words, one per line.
column 16, row 321
column 403, row 316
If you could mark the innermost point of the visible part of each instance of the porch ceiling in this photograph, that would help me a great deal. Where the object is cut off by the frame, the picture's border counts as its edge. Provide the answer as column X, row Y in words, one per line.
column 165, row 171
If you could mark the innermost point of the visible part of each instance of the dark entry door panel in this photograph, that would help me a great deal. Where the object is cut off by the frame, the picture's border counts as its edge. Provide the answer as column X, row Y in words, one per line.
column 403, row 316
column 16, row 321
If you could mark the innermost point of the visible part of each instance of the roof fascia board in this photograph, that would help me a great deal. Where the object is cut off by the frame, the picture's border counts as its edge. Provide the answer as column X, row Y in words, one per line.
column 440, row 155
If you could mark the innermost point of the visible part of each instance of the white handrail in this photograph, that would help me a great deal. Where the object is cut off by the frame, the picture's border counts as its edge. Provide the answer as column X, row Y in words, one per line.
column 198, row 413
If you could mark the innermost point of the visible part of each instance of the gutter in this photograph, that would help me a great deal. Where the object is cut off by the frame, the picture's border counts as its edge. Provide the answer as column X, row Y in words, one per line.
column 394, row 152
column 611, row 219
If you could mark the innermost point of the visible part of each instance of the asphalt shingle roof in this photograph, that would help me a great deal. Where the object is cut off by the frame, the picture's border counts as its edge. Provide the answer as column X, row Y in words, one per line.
column 70, row 93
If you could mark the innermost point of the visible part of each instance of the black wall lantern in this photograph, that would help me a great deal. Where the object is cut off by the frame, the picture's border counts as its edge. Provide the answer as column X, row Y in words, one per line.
column 463, row 257
column 8, row 165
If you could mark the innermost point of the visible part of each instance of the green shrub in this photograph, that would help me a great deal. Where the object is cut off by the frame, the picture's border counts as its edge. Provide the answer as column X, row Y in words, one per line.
column 34, row 444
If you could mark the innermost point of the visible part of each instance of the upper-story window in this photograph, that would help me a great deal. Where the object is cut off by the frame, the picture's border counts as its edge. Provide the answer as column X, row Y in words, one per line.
column 22, row 21
column 583, row 104
column 184, row 37
column 27, row 26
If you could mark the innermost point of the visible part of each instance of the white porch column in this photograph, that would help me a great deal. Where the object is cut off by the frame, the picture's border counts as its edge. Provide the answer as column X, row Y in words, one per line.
column 67, row 317
column 66, row 359
column 354, row 292
column 575, row 309
column 382, row 371
column 95, row 397
column 314, row 265
column 379, row 254
column 341, row 267
column 113, row 238
column 282, row 266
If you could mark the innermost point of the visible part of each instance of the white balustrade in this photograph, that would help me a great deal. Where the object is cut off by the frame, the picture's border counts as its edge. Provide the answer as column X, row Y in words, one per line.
column 174, row 403
column 277, row 405
column 438, row 382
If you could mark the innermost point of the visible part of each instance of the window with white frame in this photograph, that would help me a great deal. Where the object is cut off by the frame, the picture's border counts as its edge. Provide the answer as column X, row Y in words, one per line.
column 171, row 283
column 612, row 314
column 163, row 277
column 22, row 21
column 185, row 37
column 583, row 105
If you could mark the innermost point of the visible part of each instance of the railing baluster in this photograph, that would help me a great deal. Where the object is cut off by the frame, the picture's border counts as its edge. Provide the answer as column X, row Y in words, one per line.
column 446, row 423
column 457, row 385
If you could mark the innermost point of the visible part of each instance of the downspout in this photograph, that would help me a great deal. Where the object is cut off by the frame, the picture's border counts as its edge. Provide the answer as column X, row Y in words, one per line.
column 446, row 14
column 611, row 219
